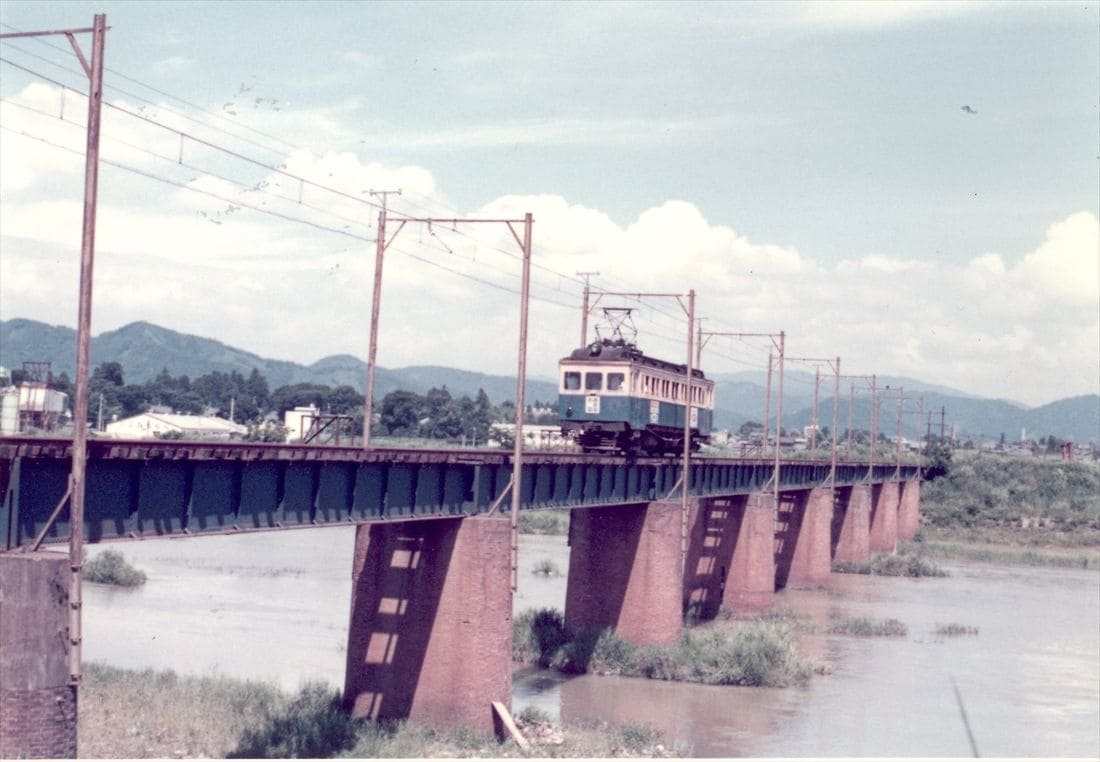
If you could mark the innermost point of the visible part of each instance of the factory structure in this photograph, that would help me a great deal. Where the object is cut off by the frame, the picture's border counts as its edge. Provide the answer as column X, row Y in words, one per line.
column 33, row 404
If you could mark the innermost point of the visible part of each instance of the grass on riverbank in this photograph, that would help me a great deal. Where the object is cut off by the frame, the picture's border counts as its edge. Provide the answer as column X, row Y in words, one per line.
column 869, row 628
column 999, row 547
column 147, row 714
column 907, row 562
column 110, row 568
column 750, row 652
column 954, row 629
column 544, row 522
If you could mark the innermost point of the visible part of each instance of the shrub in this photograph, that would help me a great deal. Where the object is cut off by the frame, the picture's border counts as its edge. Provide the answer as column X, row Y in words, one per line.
column 110, row 568
column 537, row 636
column 611, row 655
column 955, row 629
column 547, row 568
column 574, row 656
column 543, row 522
column 867, row 628
column 312, row 724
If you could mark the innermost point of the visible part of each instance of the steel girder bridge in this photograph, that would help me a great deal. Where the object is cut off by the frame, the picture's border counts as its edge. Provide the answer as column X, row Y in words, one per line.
column 142, row 488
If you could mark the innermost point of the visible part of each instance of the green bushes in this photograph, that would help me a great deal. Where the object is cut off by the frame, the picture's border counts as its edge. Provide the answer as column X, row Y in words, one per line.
column 543, row 522
column 986, row 491
column 110, row 568
column 746, row 653
column 537, row 636
column 312, row 724
column 868, row 628
column 906, row 563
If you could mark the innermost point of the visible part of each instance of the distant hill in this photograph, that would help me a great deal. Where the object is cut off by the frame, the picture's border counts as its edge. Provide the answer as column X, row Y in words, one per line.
column 143, row 349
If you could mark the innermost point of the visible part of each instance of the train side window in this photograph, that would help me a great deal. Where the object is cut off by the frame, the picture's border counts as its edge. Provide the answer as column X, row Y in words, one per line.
column 593, row 382
column 615, row 381
column 572, row 380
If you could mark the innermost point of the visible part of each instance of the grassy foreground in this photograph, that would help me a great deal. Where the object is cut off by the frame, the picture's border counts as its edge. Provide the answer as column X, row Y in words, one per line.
column 147, row 714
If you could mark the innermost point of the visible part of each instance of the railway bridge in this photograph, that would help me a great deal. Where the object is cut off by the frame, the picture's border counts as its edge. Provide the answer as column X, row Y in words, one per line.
column 430, row 630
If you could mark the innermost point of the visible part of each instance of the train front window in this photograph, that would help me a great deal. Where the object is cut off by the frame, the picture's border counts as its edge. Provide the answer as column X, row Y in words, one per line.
column 572, row 380
column 615, row 381
column 593, row 382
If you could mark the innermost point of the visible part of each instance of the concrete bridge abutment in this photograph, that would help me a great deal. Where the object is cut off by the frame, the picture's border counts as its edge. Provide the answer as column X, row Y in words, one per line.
column 624, row 572
column 430, row 633
column 803, row 558
column 37, row 703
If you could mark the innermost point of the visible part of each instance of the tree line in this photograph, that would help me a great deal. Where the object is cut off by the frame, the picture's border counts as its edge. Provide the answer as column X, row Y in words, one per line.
column 249, row 400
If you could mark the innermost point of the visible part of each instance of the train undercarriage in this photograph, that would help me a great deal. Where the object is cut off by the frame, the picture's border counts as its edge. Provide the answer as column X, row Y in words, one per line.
column 621, row 438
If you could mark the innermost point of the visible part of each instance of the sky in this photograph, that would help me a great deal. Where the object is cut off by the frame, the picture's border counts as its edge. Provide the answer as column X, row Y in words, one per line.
column 911, row 187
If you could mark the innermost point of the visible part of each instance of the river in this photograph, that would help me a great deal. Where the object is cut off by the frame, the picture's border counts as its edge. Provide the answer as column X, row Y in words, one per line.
column 274, row 606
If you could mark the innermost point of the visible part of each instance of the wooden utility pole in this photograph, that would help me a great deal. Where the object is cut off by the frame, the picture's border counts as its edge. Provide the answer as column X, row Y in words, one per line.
column 94, row 70
column 584, row 307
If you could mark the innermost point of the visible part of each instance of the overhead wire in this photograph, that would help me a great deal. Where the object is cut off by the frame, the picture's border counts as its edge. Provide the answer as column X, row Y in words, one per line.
column 479, row 242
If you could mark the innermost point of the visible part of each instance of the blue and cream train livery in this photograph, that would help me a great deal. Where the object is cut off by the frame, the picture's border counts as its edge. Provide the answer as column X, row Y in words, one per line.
column 613, row 398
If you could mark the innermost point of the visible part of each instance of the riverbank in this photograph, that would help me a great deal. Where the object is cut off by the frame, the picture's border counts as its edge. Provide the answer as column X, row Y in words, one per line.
column 146, row 714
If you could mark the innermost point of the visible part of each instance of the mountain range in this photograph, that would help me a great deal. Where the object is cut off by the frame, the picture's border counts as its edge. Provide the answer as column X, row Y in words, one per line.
column 144, row 349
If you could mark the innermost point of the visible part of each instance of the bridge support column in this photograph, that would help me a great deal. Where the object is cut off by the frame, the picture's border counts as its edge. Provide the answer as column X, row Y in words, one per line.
column 713, row 535
column 852, row 525
column 805, row 558
column 750, row 585
column 430, row 636
column 884, row 517
column 37, row 704
column 624, row 572
column 909, row 510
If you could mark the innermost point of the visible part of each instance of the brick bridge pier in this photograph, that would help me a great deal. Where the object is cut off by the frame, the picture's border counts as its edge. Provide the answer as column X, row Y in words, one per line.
column 430, row 633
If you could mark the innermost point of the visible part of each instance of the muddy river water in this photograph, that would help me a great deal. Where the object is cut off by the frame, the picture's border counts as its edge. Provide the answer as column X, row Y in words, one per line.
column 274, row 606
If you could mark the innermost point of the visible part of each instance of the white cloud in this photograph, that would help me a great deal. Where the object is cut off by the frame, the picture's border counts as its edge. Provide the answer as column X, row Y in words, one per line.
column 278, row 287
column 173, row 64
column 876, row 14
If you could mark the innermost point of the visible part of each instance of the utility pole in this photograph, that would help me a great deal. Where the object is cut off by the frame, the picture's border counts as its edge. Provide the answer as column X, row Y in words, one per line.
column 584, row 306
column 524, row 242
column 767, row 406
column 685, row 478
column 834, row 365
column 384, row 194
column 778, row 343
column 851, row 406
column 874, row 427
column 381, row 244
column 94, row 71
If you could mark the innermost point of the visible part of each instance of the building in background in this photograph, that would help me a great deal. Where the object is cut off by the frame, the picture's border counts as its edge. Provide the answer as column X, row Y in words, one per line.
column 169, row 425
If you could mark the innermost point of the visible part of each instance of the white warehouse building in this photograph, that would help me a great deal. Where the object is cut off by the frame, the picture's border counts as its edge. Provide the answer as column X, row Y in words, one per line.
column 153, row 425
